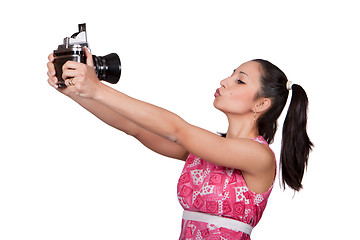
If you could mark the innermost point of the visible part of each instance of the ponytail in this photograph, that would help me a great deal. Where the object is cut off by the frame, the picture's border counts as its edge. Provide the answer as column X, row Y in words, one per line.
column 296, row 144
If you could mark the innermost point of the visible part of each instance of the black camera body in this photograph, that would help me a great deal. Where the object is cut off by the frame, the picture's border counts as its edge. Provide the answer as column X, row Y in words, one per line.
column 107, row 68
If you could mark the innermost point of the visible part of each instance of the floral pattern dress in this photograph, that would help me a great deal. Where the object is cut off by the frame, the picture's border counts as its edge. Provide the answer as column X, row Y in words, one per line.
column 209, row 188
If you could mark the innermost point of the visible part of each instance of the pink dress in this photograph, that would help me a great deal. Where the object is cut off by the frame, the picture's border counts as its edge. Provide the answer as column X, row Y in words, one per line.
column 209, row 188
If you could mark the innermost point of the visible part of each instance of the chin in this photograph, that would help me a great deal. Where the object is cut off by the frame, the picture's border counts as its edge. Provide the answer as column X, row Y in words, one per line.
column 218, row 107
column 215, row 105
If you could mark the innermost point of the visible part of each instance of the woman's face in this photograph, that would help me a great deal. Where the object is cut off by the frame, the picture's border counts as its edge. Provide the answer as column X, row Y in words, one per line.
column 237, row 94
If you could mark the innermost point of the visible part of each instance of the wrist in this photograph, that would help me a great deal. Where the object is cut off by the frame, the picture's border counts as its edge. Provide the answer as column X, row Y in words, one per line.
column 101, row 89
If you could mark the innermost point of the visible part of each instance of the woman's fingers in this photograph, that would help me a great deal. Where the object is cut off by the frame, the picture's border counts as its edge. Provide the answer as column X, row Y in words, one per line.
column 51, row 82
column 69, row 73
column 51, row 57
column 71, row 65
column 89, row 58
column 71, row 69
column 51, row 71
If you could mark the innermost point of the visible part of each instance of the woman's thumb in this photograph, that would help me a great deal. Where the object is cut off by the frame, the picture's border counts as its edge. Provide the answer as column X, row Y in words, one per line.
column 89, row 58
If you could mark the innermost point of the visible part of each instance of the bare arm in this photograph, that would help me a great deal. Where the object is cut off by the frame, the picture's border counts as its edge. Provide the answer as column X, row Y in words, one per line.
column 244, row 154
column 152, row 141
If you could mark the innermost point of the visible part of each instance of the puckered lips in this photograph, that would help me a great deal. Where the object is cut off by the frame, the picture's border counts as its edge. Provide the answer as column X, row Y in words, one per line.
column 217, row 93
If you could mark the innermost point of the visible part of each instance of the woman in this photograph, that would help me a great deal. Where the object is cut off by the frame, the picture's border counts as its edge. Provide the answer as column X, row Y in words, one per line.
column 227, row 179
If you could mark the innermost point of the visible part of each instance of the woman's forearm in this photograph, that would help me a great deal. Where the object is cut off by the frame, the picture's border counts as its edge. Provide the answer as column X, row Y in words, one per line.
column 84, row 82
column 106, row 114
column 150, row 140
column 145, row 115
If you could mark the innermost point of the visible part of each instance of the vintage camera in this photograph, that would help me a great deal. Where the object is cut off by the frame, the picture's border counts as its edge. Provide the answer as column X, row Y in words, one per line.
column 107, row 68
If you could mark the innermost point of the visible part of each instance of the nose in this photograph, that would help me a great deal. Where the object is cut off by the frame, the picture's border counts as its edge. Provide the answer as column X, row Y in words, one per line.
column 223, row 82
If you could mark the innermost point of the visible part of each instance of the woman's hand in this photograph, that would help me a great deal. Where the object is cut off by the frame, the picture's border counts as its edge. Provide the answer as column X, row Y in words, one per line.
column 80, row 78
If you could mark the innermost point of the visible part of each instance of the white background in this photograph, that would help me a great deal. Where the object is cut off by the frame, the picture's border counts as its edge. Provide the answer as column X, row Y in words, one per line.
column 66, row 175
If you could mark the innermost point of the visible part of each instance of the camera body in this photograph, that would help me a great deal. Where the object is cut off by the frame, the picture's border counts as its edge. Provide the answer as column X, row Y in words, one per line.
column 107, row 68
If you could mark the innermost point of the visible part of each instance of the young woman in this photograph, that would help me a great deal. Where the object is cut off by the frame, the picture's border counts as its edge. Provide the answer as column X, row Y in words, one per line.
column 226, row 180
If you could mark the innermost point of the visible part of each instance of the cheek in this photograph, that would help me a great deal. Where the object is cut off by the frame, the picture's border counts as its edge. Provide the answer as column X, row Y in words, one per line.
column 244, row 100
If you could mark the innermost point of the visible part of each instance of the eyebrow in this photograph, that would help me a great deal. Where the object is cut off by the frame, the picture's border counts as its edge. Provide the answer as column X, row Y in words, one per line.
column 242, row 72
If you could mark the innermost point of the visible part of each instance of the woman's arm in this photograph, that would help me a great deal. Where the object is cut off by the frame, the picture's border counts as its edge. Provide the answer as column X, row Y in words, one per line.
column 150, row 140
column 244, row 154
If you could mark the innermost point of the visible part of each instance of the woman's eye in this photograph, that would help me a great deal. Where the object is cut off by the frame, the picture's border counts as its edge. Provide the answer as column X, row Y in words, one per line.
column 239, row 81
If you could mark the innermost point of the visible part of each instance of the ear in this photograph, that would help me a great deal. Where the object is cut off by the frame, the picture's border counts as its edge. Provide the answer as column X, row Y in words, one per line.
column 261, row 105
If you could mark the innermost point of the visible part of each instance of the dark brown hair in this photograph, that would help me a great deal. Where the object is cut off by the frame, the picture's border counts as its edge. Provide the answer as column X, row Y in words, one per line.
column 296, row 145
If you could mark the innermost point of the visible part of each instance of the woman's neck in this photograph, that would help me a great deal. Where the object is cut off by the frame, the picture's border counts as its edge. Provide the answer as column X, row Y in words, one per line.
column 242, row 127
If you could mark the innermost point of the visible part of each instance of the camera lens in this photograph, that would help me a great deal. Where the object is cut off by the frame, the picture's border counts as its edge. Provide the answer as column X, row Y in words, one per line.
column 108, row 68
